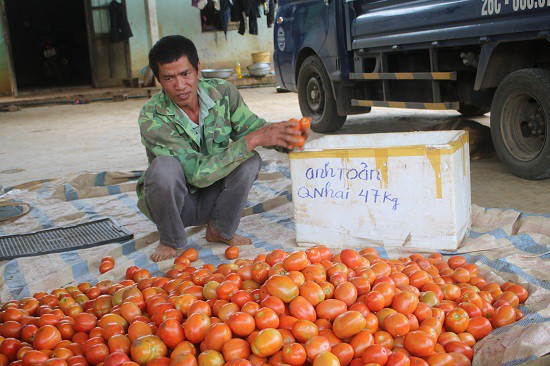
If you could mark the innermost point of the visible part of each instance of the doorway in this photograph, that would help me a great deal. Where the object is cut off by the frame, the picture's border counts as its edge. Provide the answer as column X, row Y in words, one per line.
column 49, row 43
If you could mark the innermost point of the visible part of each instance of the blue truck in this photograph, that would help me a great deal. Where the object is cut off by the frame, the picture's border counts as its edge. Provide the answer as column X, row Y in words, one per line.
column 344, row 57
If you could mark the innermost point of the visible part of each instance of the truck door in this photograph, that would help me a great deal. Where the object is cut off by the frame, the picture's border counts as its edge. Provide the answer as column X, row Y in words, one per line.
column 300, row 24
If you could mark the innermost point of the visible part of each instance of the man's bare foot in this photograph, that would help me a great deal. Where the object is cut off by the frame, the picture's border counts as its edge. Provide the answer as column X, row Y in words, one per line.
column 213, row 236
column 163, row 252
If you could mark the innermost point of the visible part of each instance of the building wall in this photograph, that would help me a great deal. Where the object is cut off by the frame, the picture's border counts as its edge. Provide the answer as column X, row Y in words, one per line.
column 180, row 17
column 140, row 43
column 5, row 75
column 174, row 17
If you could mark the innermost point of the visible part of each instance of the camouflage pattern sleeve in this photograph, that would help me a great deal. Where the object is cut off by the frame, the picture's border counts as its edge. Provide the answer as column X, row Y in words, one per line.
column 163, row 138
column 243, row 120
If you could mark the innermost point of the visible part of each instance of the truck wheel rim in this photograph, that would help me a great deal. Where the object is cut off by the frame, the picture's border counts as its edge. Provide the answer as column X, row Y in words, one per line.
column 314, row 93
column 523, row 126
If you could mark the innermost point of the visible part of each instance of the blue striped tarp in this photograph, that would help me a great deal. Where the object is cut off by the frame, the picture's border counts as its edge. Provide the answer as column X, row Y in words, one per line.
column 507, row 245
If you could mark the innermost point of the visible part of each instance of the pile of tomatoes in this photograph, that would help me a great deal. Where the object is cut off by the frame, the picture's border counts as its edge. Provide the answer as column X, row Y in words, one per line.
column 309, row 307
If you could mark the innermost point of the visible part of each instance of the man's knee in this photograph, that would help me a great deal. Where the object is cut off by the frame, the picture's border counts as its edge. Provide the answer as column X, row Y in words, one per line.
column 251, row 167
column 165, row 173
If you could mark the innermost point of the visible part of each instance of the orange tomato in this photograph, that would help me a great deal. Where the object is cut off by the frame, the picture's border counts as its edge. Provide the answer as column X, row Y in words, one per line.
column 282, row 287
column 46, row 338
column 294, row 354
column 232, row 252
column 267, row 342
column 305, row 123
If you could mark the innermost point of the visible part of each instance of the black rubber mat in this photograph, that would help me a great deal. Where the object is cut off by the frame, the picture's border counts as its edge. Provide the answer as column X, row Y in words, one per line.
column 61, row 239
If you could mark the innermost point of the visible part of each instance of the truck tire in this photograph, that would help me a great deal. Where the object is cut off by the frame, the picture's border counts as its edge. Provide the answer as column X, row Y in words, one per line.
column 520, row 123
column 471, row 110
column 316, row 97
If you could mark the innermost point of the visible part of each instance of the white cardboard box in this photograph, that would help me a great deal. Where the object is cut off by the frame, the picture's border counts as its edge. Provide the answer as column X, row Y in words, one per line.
column 391, row 189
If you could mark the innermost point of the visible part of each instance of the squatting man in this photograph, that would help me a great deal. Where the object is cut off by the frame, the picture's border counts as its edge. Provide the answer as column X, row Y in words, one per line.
column 200, row 138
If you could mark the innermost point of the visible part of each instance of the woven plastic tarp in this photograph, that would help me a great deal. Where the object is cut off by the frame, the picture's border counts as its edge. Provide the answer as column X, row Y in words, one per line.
column 507, row 245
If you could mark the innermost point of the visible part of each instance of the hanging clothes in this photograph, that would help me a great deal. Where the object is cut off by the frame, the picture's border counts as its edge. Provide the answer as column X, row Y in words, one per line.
column 271, row 13
column 238, row 14
column 225, row 14
column 120, row 28
column 253, row 13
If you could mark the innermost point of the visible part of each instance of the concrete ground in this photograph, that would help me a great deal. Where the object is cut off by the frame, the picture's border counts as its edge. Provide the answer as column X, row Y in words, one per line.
column 56, row 140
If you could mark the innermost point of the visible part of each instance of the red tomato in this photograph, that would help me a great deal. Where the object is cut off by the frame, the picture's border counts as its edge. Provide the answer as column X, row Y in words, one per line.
column 330, row 309
column 9, row 348
column 235, row 349
column 457, row 320
column 196, row 326
column 396, row 324
column 47, row 337
column 419, row 344
column 267, row 342
column 460, row 347
column 305, row 123
column 302, row 309
column 344, row 352
column 11, row 329
column 479, row 327
column 348, row 324
column 211, row 358
column 216, row 336
column 282, row 287
column 376, row 353
column 312, row 292
column 360, row 342
column 108, row 259
column 119, row 343
column 171, row 332
column 303, row 330
column 97, row 353
column 296, row 261
column 33, row 357
column 266, row 318
column 232, row 252
column 503, row 315
column 147, row 348
column 520, row 292
column 294, row 354
column 456, row 261
column 440, row 359
column 241, row 324
column 346, row 292
column 315, row 346
column 183, row 348
column 405, row 302
column 398, row 359
column 326, row 359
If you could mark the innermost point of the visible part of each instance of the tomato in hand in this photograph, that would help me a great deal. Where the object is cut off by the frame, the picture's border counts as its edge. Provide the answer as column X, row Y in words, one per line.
column 305, row 123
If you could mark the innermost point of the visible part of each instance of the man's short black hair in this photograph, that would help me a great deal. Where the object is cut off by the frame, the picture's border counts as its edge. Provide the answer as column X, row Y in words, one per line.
column 171, row 48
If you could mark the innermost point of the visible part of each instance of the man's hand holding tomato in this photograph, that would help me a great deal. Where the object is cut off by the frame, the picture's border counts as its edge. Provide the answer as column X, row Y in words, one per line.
column 287, row 134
